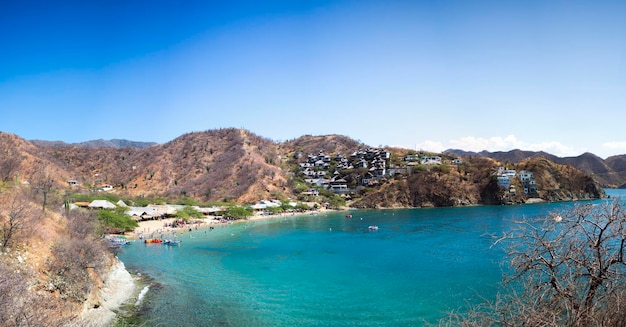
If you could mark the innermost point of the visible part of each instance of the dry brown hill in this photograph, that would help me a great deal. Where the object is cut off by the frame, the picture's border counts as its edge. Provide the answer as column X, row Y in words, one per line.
column 217, row 165
column 608, row 173
column 558, row 182
column 224, row 164
column 23, row 162
column 329, row 144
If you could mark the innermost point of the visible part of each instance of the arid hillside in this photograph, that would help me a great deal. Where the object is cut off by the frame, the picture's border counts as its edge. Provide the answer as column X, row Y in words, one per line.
column 25, row 163
column 217, row 165
column 308, row 144
column 610, row 172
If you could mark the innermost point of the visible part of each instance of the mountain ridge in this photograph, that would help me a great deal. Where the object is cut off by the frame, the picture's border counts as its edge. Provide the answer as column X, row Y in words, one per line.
column 236, row 165
column 99, row 143
column 609, row 172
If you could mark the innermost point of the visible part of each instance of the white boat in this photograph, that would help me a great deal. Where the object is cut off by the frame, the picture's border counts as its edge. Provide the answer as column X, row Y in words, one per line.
column 171, row 242
column 115, row 241
column 373, row 227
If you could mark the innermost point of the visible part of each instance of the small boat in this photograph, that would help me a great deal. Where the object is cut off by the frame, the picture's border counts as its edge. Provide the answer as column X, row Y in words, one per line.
column 171, row 242
column 373, row 227
column 348, row 216
column 153, row 240
column 115, row 241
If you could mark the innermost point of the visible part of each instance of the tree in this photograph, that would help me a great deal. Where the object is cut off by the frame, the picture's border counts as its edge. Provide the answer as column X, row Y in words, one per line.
column 44, row 184
column 21, row 306
column 237, row 212
column 75, row 256
column 8, row 167
column 116, row 221
column 567, row 269
column 16, row 213
column 187, row 213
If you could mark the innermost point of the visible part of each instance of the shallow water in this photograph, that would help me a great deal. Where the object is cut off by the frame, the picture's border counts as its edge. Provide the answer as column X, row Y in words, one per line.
column 328, row 270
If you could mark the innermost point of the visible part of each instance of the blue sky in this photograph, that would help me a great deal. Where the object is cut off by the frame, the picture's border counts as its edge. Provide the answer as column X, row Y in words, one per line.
column 432, row 75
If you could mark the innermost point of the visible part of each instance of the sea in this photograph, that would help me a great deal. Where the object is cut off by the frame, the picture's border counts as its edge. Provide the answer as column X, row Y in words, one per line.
column 328, row 269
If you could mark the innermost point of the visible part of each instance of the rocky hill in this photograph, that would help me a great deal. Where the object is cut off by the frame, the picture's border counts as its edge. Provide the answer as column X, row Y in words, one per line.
column 218, row 165
column 474, row 182
column 307, row 144
column 609, row 173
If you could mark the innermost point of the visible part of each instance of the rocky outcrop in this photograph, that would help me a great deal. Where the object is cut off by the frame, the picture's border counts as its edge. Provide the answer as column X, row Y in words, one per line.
column 106, row 298
column 477, row 184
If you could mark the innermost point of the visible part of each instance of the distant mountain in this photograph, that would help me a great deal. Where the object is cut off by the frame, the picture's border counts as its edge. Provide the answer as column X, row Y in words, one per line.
column 608, row 173
column 114, row 143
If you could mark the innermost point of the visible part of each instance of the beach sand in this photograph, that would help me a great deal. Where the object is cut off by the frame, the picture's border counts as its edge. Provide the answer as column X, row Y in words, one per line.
column 158, row 227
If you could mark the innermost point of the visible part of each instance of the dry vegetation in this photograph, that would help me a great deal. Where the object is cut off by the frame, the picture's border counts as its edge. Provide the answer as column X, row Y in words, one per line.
column 217, row 165
column 49, row 262
column 566, row 269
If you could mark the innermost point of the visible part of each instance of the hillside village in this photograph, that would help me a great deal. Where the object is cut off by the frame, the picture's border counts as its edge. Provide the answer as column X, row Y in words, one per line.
column 347, row 176
column 317, row 169
column 525, row 177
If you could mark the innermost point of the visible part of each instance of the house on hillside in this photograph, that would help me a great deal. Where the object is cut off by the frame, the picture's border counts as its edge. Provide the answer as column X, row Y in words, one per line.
column 529, row 183
column 106, row 188
column 412, row 157
column 338, row 185
column 431, row 160
column 312, row 192
column 504, row 181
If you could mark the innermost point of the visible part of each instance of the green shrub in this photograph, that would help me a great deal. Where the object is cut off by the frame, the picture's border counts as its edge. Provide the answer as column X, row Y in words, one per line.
column 116, row 221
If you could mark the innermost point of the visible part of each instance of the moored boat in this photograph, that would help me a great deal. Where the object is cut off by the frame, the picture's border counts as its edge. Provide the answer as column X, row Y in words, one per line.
column 115, row 241
column 171, row 242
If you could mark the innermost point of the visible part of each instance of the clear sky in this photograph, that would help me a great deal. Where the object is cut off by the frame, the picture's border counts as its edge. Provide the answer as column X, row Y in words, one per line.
column 475, row 75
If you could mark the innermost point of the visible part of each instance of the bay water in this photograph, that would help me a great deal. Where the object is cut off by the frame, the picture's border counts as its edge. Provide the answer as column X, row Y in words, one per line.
column 329, row 270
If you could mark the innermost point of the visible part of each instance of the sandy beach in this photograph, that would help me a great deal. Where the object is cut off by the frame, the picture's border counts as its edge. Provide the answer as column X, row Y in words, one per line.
column 161, row 228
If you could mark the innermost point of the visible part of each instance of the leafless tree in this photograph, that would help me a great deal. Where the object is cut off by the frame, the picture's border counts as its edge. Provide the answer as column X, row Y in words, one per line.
column 77, row 254
column 567, row 269
column 21, row 304
column 16, row 215
column 8, row 167
column 44, row 184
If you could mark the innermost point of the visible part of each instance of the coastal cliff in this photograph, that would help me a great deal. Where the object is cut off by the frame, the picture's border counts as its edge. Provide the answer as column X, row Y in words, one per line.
column 476, row 184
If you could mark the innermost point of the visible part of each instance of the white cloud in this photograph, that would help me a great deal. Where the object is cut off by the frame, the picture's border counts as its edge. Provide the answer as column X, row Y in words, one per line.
column 498, row 143
column 615, row 146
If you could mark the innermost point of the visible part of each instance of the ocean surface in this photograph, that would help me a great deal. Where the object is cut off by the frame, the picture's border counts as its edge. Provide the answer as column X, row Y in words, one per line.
column 329, row 270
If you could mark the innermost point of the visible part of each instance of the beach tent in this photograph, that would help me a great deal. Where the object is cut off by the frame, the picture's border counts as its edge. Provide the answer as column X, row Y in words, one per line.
column 140, row 213
column 101, row 204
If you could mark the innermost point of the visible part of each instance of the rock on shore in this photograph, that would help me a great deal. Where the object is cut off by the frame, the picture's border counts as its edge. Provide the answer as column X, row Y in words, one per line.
column 119, row 286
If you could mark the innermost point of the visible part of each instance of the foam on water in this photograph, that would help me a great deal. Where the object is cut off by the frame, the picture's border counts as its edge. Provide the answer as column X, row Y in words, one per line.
column 142, row 294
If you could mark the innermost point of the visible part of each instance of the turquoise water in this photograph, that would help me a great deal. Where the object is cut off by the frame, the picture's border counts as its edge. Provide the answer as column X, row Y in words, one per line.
column 327, row 270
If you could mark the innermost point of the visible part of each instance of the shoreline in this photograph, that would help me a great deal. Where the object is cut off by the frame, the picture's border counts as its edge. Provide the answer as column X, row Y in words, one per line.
column 119, row 288
column 159, row 228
